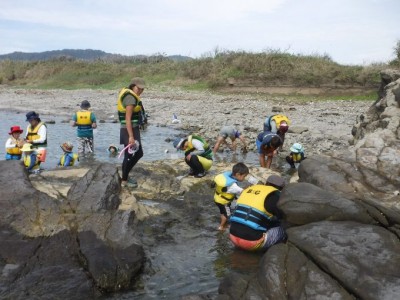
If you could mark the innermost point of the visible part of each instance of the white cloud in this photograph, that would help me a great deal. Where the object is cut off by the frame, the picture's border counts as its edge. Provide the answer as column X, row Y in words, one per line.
column 349, row 31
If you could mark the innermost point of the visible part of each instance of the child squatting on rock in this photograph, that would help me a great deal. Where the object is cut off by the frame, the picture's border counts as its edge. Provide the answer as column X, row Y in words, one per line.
column 296, row 155
column 226, row 190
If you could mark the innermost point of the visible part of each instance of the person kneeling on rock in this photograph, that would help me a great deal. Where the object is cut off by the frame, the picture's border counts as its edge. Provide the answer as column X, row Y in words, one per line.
column 255, row 224
column 198, row 154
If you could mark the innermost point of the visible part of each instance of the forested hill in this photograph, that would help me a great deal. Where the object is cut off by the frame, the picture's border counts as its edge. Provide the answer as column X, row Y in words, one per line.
column 84, row 54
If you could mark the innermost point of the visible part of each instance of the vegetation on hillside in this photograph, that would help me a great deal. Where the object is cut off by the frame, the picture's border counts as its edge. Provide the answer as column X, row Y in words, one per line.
column 219, row 69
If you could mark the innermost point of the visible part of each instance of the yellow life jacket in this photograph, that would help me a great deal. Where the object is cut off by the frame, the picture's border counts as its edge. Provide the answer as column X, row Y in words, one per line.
column 250, row 210
column 74, row 157
column 33, row 134
column 83, row 119
column 296, row 157
column 27, row 162
column 222, row 182
column 279, row 118
column 135, row 118
column 14, row 150
column 207, row 150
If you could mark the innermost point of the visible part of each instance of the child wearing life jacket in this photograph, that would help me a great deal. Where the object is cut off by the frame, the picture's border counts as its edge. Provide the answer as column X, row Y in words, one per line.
column 68, row 159
column 296, row 155
column 226, row 190
column 31, row 161
column 14, row 144
column 85, row 120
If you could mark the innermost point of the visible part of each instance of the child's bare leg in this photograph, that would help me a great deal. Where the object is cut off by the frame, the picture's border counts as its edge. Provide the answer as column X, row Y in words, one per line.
column 222, row 225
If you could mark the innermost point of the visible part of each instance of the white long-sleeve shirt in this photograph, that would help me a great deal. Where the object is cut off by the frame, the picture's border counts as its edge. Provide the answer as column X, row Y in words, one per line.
column 11, row 143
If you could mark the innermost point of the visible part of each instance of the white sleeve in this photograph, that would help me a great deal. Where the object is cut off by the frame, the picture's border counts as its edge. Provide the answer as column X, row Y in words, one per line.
column 42, row 132
column 234, row 189
column 10, row 143
column 198, row 145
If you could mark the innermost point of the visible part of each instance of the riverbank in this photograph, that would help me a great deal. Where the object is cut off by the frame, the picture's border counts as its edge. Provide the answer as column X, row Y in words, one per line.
column 321, row 126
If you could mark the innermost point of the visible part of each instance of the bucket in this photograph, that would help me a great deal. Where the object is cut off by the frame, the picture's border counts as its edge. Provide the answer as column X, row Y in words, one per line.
column 41, row 154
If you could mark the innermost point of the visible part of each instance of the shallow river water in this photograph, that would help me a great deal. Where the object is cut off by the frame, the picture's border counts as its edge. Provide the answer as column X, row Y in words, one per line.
column 186, row 254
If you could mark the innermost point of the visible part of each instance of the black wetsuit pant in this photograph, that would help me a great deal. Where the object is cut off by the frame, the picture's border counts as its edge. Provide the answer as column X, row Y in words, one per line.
column 130, row 160
column 195, row 164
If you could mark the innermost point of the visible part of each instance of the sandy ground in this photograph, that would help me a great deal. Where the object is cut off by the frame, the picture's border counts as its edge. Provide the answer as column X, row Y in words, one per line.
column 321, row 126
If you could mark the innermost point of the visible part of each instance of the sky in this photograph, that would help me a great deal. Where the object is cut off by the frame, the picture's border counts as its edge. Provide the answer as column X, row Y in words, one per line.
column 349, row 31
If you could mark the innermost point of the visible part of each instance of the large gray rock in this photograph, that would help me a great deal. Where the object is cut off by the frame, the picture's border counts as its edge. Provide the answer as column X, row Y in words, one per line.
column 284, row 273
column 370, row 189
column 304, row 203
column 42, row 268
column 97, row 190
column 40, row 230
column 112, row 268
column 364, row 259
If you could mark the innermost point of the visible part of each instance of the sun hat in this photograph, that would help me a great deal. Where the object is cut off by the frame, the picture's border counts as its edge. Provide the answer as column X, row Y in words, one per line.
column 31, row 116
column 297, row 148
column 26, row 147
column 276, row 181
column 67, row 146
column 139, row 82
column 283, row 127
column 178, row 143
column 85, row 104
column 15, row 129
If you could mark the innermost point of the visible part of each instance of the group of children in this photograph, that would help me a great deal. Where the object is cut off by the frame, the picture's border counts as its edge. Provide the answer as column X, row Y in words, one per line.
column 32, row 148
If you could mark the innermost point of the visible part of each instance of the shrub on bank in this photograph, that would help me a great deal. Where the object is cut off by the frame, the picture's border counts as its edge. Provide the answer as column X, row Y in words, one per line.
column 268, row 68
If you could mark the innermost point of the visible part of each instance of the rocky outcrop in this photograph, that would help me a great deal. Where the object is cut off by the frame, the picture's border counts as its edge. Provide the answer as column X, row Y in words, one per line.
column 377, row 132
column 342, row 219
column 71, row 243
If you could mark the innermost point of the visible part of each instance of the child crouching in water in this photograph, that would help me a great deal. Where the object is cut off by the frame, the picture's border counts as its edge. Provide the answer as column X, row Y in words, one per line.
column 68, row 158
column 226, row 190
column 296, row 155
column 113, row 150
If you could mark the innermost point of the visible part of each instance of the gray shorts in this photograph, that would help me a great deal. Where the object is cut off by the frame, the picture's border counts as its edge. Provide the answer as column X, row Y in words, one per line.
column 228, row 131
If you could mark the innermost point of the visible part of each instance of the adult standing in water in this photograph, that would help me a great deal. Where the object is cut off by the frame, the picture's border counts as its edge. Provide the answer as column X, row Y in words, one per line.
column 36, row 134
column 129, row 110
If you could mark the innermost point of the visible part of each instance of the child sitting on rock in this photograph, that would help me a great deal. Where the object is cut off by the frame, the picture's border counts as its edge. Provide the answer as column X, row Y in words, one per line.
column 68, row 158
column 31, row 161
column 296, row 155
column 226, row 190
